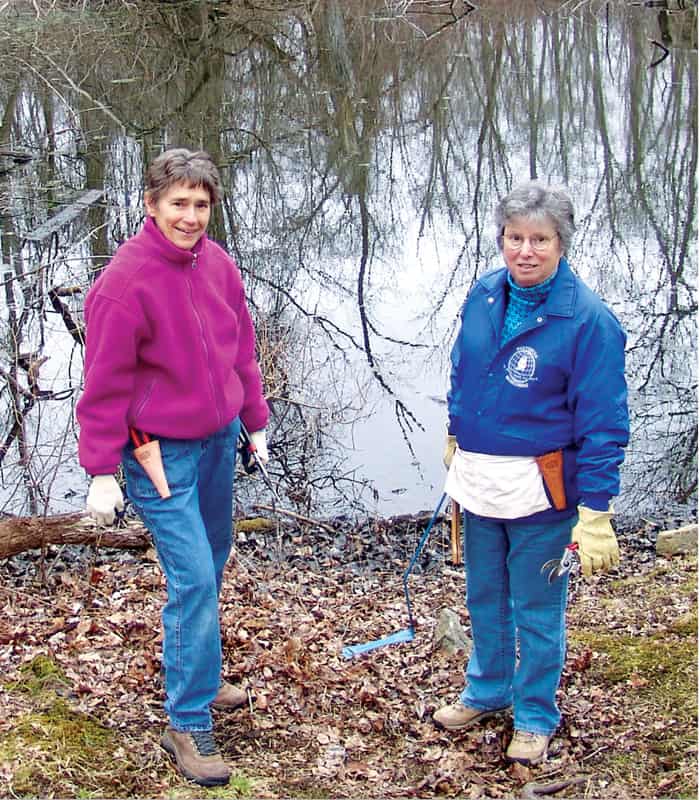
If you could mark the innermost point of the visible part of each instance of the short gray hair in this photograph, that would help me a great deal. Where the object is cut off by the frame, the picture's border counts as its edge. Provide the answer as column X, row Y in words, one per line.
column 535, row 201
column 179, row 165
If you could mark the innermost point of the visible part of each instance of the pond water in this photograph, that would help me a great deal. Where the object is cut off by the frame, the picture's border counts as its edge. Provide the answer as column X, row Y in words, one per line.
column 363, row 147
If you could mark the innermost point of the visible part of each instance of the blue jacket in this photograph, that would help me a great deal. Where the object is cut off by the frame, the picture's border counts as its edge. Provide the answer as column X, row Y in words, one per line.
column 558, row 383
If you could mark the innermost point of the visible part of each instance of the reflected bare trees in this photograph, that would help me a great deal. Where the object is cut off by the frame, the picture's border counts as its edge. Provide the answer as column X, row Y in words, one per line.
column 351, row 138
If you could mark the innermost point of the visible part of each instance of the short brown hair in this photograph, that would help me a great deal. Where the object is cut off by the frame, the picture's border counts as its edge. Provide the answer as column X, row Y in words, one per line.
column 179, row 165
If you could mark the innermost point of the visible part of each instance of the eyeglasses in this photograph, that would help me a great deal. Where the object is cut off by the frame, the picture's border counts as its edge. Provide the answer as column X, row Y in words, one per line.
column 514, row 241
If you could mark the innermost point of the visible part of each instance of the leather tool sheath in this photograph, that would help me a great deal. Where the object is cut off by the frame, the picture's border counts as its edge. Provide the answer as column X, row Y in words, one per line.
column 552, row 470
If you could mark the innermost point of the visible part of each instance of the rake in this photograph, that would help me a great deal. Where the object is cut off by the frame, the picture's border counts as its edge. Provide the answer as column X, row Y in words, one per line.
column 407, row 634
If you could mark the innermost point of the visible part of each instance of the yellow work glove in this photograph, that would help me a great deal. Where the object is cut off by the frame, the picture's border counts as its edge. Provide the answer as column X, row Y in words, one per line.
column 597, row 543
column 450, row 447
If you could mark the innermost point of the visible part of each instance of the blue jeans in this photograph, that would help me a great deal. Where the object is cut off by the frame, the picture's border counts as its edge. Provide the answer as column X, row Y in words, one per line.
column 192, row 532
column 511, row 603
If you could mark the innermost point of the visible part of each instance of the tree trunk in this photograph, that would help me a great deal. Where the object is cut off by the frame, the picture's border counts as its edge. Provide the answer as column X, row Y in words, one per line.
column 18, row 534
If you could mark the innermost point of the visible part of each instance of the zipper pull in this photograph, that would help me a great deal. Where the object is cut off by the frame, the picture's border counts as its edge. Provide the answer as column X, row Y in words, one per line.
column 194, row 260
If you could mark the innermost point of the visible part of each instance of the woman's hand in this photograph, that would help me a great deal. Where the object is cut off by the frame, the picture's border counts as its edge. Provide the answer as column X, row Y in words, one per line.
column 103, row 498
column 450, row 447
column 259, row 440
column 597, row 543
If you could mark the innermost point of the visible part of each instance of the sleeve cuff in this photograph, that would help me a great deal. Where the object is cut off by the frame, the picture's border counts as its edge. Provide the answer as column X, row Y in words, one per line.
column 596, row 502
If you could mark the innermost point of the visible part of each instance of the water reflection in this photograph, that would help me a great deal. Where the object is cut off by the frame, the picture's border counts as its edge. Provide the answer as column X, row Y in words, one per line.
column 363, row 147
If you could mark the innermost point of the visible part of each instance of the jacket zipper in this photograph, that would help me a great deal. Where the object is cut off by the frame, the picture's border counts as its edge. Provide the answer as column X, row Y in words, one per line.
column 204, row 339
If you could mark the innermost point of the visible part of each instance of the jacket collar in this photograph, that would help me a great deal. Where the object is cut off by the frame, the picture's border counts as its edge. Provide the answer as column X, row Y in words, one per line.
column 168, row 251
column 562, row 295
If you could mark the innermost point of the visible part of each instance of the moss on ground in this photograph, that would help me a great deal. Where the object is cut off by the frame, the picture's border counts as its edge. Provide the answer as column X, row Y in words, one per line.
column 655, row 675
column 254, row 524
column 40, row 675
column 54, row 751
column 58, row 752
column 238, row 787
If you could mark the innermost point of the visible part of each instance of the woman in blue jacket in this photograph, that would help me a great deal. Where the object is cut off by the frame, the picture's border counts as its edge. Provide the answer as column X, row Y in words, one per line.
column 537, row 368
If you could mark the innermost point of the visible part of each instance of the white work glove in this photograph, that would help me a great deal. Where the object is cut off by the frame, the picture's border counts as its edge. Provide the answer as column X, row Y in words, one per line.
column 597, row 543
column 103, row 498
column 259, row 441
column 450, row 447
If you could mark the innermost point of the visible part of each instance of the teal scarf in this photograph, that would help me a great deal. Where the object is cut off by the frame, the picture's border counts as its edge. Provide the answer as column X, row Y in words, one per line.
column 522, row 301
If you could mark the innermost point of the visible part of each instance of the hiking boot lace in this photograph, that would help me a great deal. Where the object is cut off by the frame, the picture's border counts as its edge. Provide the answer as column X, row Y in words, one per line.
column 205, row 743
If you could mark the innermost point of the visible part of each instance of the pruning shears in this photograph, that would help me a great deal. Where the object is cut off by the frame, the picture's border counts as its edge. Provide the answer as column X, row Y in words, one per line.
column 139, row 438
column 252, row 461
column 556, row 567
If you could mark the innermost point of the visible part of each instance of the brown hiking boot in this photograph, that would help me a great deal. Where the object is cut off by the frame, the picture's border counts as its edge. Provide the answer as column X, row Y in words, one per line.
column 197, row 756
column 528, row 748
column 456, row 716
column 229, row 697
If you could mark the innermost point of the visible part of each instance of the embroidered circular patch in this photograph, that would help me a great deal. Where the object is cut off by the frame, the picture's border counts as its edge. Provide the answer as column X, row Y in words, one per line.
column 520, row 369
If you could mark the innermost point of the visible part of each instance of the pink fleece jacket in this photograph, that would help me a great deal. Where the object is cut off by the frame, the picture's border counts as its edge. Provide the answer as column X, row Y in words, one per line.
column 170, row 348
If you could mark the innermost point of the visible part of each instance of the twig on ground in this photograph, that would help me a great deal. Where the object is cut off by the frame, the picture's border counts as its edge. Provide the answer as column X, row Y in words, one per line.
column 531, row 791
column 294, row 515
column 595, row 752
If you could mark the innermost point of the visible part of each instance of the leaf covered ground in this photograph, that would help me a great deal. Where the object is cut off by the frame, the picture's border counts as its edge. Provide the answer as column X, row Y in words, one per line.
column 81, row 699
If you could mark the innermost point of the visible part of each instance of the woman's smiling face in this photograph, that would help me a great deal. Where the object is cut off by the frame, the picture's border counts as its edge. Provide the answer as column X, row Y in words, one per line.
column 181, row 213
column 532, row 249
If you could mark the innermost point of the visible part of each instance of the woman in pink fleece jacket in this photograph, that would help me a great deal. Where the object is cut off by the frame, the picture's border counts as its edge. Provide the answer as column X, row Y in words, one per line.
column 170, row 351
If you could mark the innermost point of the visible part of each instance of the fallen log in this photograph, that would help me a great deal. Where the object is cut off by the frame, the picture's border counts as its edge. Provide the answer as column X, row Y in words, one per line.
column 19, row 534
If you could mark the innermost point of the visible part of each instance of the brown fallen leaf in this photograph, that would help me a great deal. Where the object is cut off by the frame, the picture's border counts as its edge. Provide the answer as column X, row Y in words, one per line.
column 520, row 772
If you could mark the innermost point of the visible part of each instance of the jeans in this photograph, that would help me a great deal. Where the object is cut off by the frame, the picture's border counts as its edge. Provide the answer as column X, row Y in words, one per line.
column 192, row 532
column 518, row 619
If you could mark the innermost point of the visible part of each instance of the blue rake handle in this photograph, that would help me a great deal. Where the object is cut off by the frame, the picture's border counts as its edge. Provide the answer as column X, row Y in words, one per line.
column 407, row 634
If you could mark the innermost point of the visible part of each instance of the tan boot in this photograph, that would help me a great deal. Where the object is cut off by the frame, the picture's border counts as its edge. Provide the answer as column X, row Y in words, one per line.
column 197, row 756
column 456, row 716
column 528, row 748
column 229, row 697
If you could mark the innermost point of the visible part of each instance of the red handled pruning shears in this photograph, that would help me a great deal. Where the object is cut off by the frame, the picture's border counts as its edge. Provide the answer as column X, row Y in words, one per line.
column 139, row 437
column 556, row 567
column 252, row 461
